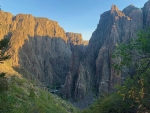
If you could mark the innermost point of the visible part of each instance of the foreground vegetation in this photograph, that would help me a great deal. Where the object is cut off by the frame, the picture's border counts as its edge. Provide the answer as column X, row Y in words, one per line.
column 23, row 97
column 134, row 95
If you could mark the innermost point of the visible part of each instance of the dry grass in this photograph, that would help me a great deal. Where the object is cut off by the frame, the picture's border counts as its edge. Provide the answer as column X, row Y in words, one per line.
column 7, row 68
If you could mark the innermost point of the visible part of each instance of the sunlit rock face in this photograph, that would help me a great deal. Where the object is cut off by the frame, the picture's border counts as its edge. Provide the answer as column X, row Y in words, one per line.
column 38, row 47
column 74, row 38
column 5, row 21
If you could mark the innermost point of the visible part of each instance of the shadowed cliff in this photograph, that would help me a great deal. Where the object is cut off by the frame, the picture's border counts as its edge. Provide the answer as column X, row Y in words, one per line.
column 95, row 70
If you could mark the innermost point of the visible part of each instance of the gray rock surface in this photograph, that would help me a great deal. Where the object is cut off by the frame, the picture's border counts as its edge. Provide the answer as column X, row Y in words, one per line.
column 114, row 27
column 123, row 27
column 74, row 77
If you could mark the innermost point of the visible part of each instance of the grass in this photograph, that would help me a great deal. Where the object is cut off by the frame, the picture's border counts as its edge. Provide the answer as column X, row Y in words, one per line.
column 24, row 97
column 6, row 68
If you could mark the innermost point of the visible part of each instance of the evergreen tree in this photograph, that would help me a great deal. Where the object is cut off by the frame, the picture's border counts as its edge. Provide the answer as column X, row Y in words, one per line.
column 3, row 45
column 3, row 81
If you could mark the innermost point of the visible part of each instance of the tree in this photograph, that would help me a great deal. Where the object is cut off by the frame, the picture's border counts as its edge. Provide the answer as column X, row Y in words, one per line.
column 136, row 57
column 3, row 45
column 136, row 54
column 3, row 81
column 4, row 97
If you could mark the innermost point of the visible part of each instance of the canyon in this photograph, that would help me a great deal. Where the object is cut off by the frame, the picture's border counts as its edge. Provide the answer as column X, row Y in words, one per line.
column 43, row 52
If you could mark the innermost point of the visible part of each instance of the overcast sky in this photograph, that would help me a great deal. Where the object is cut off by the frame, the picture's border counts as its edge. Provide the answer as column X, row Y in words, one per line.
column 79, row 16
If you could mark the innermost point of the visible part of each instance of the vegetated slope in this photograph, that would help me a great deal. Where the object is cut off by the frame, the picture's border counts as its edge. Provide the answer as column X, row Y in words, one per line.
column 24, row 97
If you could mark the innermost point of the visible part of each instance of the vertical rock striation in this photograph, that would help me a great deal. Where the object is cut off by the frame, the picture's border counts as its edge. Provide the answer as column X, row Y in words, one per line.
column 73, row 84
column 5, row 21
column 123, row 27
column 38, row 47
column 114, row 27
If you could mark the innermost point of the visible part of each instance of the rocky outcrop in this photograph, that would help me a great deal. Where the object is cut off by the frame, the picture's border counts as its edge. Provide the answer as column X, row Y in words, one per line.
column 123, row 27
column 82, row 84
column 5, row 21
column 85, row 42
column 70, row 87
column 146, row 14
column 74, row 38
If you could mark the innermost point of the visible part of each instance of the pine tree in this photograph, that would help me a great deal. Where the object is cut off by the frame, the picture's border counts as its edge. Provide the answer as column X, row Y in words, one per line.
column 3, row 81
column 3, row 45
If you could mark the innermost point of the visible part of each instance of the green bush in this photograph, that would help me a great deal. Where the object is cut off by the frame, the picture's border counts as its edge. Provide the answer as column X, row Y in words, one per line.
column 32, row 94
column 3, row 83
column 112, row 103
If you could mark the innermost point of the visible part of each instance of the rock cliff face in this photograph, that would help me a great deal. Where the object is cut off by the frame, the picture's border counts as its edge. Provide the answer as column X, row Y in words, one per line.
column 5, row 21
column 85, row 42
column 123, row 26
column 114, row 27
column 75, row 76
column 119, row 26
column 34, row 47
column 74, row 38
column 146, row 14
